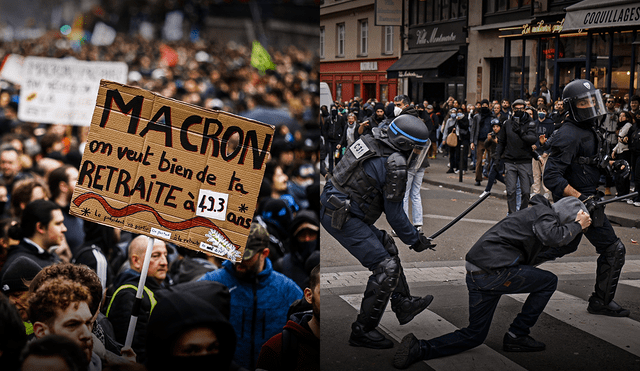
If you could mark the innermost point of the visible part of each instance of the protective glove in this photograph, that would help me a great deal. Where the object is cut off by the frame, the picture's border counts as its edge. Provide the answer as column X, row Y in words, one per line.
column 422, row 244
column 621, row 168
column 589, row 203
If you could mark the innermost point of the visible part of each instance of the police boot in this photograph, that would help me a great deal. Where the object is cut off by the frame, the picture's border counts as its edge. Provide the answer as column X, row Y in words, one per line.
column 410, row 351
column 613, row 309
column 373, row 339
column 406, row 306
column 608, row 269
column 382, row 282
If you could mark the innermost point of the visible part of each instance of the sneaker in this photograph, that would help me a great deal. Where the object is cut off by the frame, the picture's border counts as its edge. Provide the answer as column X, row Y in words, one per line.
column 636, row 204
column 409, row 352
column 478, row 184
column 597, row 306
column 484, row 193
column 457, row 171
column 523, row 343
column 629, row 202
column 372, row 339
column 407, row 307
column 439, row 150
column 419, row 228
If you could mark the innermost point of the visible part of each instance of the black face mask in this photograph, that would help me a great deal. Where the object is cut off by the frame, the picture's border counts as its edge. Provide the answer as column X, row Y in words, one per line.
column 485, row 110
column 209, row 362
column 306, row 248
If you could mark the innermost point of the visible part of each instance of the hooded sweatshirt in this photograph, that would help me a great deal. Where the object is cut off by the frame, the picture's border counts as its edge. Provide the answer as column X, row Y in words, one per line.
column 307, row 344
column 177, row 312
column 520, row 237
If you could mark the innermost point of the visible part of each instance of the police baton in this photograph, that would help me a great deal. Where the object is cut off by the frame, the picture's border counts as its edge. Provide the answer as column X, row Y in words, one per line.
column 617, row 198
column 457, row 218
column 451, row 223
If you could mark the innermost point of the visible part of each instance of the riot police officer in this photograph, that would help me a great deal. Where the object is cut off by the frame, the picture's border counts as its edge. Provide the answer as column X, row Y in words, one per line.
column 578, row 157
column 371, row 179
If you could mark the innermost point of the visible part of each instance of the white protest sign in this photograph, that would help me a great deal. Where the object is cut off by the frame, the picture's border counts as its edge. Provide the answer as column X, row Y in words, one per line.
column 63, row 91
column 11, row 68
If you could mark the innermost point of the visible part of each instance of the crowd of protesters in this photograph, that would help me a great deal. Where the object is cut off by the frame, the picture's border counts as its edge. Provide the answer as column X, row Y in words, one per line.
column 56, row 267
column 477, row 128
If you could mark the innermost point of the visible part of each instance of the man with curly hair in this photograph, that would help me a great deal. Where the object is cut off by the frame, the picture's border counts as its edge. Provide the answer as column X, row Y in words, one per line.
column 61, row 307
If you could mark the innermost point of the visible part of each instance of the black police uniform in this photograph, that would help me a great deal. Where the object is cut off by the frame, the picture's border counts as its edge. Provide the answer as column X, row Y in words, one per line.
column 369, row 180
column 577, row 158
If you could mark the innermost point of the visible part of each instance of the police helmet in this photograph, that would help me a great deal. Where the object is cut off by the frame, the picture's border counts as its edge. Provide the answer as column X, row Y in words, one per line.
column 583, row 101
column 406, row 132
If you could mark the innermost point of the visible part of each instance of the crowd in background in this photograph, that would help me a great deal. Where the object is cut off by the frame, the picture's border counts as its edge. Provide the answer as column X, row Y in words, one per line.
column 40, row 161
column 344, row 122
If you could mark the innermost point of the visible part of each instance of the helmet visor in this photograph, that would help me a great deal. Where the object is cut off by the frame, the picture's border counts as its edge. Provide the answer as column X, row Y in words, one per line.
column 417, row 156
column 587, row 106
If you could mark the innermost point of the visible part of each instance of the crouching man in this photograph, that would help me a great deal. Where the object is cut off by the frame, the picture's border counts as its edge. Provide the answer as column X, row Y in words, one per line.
column 500, row 263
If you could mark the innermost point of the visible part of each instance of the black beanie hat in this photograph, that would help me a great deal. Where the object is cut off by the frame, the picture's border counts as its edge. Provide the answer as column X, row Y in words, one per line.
column 20, row 269
column 378, row 106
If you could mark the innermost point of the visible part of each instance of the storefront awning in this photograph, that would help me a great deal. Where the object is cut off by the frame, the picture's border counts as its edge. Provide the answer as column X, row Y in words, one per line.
column 420, row 61
column 600, row 14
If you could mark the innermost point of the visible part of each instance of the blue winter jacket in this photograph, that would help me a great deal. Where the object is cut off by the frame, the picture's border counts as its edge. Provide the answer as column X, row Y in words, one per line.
column 258, row 310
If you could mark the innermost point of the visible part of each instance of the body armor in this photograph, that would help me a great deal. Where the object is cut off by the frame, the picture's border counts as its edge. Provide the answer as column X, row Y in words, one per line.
column 350, row 178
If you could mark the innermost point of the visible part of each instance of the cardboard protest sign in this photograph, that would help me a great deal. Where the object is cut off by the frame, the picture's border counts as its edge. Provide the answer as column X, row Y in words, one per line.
column 170, row 170
column 63, row 91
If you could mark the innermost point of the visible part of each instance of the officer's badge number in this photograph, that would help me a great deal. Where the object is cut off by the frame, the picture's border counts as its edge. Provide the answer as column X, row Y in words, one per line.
column 359, row 148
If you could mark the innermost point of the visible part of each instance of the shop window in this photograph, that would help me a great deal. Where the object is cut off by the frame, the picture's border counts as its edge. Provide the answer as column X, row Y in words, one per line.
column 621, row 63
column 547, row 69
column 574, row 47
column 356, row 90
column 340, row 41
column 339, row 91
column 519, row 76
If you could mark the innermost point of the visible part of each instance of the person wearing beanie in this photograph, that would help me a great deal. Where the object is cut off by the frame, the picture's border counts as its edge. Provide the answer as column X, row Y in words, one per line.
column 503, row 262
column 304, row 253
column 260, row 296
column 15, row 286
column 41, row 227
column 374, row 121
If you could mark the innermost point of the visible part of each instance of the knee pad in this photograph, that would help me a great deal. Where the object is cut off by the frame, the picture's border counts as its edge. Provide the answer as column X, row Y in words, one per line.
column 382, row 282
column 608, row 270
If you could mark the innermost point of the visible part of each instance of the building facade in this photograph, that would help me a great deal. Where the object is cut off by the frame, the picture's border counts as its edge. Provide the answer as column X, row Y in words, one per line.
column 355, row 53
column 515, row 46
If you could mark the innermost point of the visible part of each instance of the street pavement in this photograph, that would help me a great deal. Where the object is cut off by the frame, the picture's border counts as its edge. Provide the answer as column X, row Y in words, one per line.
column 575, row 339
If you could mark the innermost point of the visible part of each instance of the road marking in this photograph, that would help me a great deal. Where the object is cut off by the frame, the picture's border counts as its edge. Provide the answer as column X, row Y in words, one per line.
column 444, row 217
column 634, row 283
column 428, row 325
column 458, row 273
column 621, row 332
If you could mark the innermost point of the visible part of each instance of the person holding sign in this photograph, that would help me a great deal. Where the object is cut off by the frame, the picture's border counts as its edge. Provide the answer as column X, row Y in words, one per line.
column 126, row 284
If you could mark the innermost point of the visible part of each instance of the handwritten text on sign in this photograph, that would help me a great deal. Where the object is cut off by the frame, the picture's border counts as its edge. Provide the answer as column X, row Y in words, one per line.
column 167, row 169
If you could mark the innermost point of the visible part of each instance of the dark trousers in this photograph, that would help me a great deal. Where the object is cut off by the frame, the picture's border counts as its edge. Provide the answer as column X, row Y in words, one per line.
column 485, row 291
column 497, row 167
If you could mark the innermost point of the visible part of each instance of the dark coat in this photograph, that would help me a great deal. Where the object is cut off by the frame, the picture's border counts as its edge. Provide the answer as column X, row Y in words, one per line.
column 520, row 237
column 514, row 147
column 24, row 248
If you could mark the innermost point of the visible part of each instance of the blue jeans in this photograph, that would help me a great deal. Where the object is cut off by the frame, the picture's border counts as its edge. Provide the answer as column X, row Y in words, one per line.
column 414, row 182
column 485, row 291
